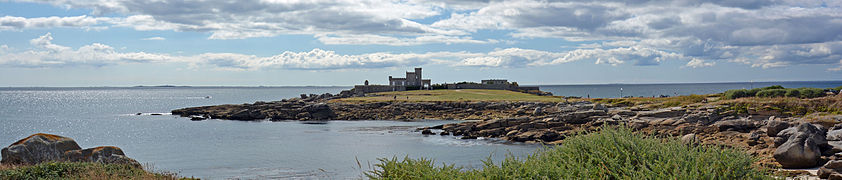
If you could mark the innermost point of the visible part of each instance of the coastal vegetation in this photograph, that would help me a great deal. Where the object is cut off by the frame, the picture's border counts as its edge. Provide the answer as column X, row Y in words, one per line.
column 80, row 170
column 448, row 95
column 777, row 91
column 614, row 152
column 656, row 102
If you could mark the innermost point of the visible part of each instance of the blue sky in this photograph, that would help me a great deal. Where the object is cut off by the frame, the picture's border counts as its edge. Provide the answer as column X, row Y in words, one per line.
column 273, row 42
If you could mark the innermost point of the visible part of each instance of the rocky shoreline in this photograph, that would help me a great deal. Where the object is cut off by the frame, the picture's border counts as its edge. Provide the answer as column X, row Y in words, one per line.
column 777, row 138
column 318, row 107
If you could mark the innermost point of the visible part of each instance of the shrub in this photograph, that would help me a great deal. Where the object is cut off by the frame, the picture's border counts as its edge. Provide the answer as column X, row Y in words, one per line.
column 612, row 153
column 735, row 93
column 772, row 93
column 811, row 92
column 793, row 93
column 772, row 87
column 837, row 89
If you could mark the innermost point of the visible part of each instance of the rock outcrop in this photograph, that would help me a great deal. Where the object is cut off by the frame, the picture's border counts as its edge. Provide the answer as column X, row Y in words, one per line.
column 40, row 147
column 831, row 170
column 801, row 149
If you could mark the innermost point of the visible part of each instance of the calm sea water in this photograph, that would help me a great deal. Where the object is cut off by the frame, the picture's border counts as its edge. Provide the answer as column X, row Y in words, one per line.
column 649, row 90
column 217, row 149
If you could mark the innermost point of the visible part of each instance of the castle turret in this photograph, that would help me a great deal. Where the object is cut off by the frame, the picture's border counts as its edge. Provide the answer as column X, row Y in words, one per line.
column 418, row 75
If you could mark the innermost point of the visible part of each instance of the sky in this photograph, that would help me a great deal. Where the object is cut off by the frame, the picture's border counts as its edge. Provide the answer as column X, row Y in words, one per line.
column 301, row 42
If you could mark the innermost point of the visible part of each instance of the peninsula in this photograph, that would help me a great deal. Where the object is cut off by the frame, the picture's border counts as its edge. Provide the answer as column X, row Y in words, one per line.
column 772, row 123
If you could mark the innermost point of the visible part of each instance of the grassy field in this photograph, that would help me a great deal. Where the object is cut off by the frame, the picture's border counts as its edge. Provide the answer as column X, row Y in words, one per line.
column 450, row 95
column 78, row 170
column 612, row 153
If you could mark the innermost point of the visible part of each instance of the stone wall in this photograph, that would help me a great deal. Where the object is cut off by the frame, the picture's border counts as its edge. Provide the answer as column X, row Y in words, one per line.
column 491, row 86
column 363, row 89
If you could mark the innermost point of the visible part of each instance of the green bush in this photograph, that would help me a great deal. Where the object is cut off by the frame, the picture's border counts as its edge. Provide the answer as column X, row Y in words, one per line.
column 735, row 93
column 772, row 87
column 612, row 153
column 811, row 92
column 772, row 93
column 793, row 93
column 775, row 91
column 837, row 89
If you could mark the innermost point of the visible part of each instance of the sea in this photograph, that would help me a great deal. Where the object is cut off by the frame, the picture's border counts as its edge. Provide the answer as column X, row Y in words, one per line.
column 222, row 149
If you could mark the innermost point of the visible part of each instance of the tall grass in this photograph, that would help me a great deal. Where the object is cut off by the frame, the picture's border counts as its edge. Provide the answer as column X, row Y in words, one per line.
column 652, row 102
column 79, row 170
column 611, row 153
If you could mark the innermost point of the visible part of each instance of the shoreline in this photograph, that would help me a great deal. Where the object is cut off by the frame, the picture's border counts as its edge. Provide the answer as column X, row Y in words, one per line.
column 736, row 123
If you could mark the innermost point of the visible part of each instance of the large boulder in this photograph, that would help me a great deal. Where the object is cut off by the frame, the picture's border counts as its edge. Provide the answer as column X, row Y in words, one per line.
column 801, row 149
column 581, row 117
column 773, row 127
column 40, row 147
column 740, row 125
column 834, row 135
column 320, row 111
column 831, row 167
column 537, row 134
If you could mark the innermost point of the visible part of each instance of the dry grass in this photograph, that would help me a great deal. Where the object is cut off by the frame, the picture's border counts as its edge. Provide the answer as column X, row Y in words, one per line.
column 80, row 170
column 449, row 95
column 658, row 102
column 788, row 105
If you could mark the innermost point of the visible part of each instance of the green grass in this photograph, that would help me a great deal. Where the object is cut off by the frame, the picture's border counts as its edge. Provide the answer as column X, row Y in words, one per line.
column 612, row 153
column 451, row 95
column 79, row 170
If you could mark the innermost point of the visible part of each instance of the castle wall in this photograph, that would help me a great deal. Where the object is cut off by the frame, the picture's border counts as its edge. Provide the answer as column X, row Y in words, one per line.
column 491, row 86
column 363, row 89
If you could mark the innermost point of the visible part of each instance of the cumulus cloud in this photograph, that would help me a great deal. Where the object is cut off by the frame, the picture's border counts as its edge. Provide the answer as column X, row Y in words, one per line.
column 46, row 54
column 155, row 38
column 697, row 63
column 19, row 23
column 761, row 33
column 394, row 41
column 516, row 57
column 267, row 18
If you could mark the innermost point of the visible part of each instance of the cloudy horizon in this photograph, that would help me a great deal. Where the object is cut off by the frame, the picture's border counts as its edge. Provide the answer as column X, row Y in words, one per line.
column 299, row 43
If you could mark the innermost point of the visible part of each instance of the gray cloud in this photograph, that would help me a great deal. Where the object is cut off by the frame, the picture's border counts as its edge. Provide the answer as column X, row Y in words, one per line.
column 761, row 33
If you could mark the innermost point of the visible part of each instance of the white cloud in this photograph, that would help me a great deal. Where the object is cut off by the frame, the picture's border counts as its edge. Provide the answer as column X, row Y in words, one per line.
column 760, row 33
column 516, row 57
column 155, row 38
column 266, row 18
column 19, row 23
column 394, row 41
column 697, row 63
column 715, row 30
column 47, row 54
